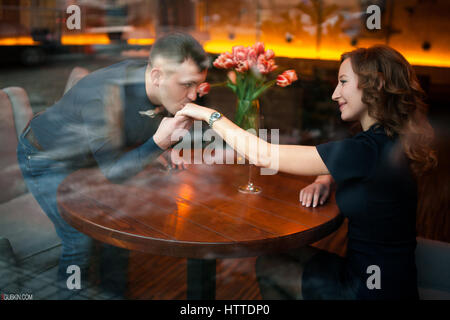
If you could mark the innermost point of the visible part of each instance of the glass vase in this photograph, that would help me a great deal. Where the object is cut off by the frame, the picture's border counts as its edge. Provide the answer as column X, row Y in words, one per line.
column 247, row 117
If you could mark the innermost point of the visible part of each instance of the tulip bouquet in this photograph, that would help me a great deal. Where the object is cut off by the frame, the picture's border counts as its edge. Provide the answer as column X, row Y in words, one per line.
column 248, row 68
column 247, row 77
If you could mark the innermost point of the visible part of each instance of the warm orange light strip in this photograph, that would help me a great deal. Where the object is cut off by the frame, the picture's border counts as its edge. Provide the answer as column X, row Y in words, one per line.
column 18, row 41
column 84, row 39
column 423, row 60
column 141, row 41
column 217, row 47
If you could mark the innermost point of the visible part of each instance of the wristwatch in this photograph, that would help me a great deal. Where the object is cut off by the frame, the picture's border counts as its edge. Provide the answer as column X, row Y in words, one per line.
column 214, row 117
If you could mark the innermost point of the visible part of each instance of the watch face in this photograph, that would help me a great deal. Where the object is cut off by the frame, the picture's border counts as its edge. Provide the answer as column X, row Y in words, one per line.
column 214, row 116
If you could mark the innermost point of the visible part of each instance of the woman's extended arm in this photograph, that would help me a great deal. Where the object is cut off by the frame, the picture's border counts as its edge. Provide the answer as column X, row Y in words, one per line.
column 300, row 160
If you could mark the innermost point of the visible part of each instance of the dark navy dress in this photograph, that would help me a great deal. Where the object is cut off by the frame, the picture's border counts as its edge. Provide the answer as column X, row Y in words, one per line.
column 376, row 191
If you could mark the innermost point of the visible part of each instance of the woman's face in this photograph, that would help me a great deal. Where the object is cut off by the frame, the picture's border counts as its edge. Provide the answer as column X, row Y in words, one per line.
column 348, row 95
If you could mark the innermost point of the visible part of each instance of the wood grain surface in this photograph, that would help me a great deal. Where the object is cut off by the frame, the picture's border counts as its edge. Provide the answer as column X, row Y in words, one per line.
column 195, row 213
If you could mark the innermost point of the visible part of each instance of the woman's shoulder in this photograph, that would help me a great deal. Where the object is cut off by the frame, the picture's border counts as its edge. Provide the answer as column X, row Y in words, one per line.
column 376, row 135
column 375, row 129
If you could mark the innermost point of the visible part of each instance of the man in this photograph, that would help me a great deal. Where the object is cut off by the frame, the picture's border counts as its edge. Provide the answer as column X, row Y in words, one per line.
column 76, row 132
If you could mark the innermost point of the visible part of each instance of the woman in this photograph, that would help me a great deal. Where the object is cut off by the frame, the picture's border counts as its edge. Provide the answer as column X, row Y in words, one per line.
column 375, row 174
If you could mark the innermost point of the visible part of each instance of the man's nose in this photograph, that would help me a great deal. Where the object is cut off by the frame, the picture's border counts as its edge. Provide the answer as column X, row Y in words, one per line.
column 192, row 94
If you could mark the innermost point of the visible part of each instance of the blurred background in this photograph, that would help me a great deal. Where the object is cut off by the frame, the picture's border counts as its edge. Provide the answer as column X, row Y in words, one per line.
column 36, row 42
column 39, row 49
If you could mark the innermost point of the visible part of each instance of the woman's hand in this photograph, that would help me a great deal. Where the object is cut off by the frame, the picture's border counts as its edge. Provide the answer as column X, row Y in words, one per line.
column 195, row 112
column 317, row 192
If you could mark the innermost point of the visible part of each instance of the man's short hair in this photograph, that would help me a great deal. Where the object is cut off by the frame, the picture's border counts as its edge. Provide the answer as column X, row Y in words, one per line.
column 179, row 47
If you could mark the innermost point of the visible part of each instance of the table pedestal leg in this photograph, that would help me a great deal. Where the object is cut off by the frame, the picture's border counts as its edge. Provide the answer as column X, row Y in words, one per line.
column 201, row 279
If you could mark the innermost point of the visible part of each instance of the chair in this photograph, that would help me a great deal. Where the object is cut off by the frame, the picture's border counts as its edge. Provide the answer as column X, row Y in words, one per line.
column 433, row 269
column 25, row 230
column 22, row 222
column 28, row 240
column 15, row 112
column 76, row 75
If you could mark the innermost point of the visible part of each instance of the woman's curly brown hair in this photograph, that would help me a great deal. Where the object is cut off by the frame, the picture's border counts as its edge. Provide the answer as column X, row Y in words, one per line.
column 395, row 99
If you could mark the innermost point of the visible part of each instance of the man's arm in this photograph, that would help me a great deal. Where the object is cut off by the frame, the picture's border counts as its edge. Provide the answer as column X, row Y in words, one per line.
column 107, row 147
column 130, row 163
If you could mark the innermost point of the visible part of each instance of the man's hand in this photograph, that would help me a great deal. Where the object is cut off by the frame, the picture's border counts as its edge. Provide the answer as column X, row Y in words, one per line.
column 317, row 192
column 162, row 136
column 166, row 162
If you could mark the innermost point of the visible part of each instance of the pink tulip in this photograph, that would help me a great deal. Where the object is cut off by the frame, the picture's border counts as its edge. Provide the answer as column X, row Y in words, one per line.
column 232, row 76
column 224, row 61
column 269, row 54
column 252, row 57
column 291, row 75
column 203, row 89
column 286, row 78
column 259, row 48
column 265, row 66
column 218, row 63
column 239, row 53
column 282, row 81
column 242, row 66
column 262, row 68
column 244, row 58
column 228, row 55
column 272, row 64
column 228, row 64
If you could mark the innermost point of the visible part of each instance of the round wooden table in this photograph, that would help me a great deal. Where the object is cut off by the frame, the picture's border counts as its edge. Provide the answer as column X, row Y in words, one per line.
column 196, row 213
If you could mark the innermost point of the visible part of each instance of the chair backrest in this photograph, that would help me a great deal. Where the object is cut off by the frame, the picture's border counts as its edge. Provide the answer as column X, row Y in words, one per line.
column 76, row 75
column 433, row 266
column 15, row 112
column 20, row 103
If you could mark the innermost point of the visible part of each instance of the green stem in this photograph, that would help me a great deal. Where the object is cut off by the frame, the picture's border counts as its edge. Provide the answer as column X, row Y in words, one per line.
column 263, row 88
column 220, row 84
